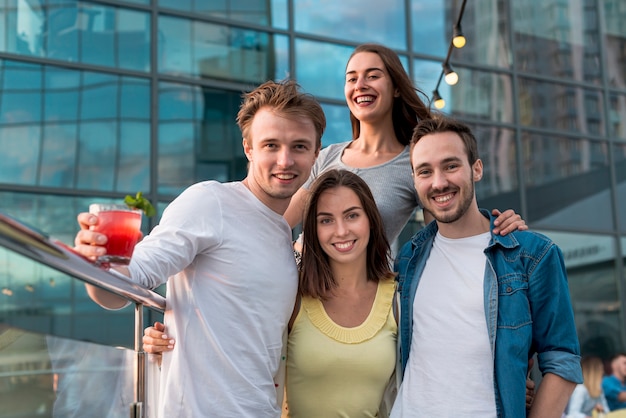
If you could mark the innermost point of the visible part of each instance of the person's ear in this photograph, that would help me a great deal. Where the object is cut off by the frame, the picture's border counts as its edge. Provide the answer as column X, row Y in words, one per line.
column 477, row 169
column 247, row 149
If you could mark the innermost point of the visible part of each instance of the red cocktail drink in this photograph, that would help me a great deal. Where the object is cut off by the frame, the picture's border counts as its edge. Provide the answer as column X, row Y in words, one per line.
column 122, row 227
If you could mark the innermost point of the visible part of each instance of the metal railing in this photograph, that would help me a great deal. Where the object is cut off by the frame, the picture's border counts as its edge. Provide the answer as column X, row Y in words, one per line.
column 39, row 247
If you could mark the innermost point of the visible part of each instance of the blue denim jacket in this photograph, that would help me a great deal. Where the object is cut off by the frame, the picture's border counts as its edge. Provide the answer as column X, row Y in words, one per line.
column 527, row 308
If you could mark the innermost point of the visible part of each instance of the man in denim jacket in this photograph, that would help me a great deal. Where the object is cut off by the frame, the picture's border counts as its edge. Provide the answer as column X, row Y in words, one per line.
column 485, row 303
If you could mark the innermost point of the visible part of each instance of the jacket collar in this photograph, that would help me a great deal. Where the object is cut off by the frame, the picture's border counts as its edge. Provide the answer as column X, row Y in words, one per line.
column 430, row 230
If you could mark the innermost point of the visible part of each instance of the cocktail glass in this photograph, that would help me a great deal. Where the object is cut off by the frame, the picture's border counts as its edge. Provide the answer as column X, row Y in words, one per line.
column 122, row 226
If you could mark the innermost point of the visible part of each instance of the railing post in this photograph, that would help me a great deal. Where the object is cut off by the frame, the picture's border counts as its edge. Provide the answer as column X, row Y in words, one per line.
column 137, row 408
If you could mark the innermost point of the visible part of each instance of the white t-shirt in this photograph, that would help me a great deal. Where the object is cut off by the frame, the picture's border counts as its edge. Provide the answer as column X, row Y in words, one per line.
column 450, row 367
column 230, row 295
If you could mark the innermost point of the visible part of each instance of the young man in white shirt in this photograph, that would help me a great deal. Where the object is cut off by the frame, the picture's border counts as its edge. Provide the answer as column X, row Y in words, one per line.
column 476, row 306
column 226, row 253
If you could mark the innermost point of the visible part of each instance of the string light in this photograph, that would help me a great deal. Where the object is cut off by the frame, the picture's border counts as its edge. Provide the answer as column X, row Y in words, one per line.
column 450, row 76
column 458, row 40
column 438, row 101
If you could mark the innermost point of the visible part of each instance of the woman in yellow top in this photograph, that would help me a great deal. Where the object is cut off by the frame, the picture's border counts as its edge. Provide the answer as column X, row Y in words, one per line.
column 341, row 347
column 342, row 343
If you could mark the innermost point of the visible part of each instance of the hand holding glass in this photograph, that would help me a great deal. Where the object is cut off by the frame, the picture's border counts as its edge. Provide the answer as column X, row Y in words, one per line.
column 122, row 226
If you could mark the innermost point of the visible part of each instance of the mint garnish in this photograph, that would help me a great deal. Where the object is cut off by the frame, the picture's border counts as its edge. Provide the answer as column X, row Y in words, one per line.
column 141, row 203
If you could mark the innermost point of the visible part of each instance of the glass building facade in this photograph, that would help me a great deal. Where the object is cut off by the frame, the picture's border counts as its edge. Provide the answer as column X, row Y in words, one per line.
column 99, row 99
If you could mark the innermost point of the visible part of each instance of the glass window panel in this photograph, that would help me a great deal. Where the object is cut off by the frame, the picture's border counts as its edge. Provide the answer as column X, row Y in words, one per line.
column 97, row 35
column 19, row 75
column 51, row 157
column 325, row 75
column 499, row 187
column 202, row 49
column 99, row 96
column 198, row 138
column 269, row 12
column 132, row 40
column 338, row 128
column 175, row 45
column 589, row 260
column 431, row 27
column 283, row 67
column 615, row 42
column 97, row 154
column 487, row 39
column 21, row 28
column 186, row 5
column 20, row 145
column 343, row 19
column 619, row 158
column 559, row 106
column 426, row 75
column 479, row 94
column 557, row 38
column 61, row 94
column 58, row 159
column 617, row 116
column 178, row 123
column 178, row 101
column 219, row 151
column 567, row 182
column 21, row 106
column 133, row 171
column 60, row 39
column 176, row 156
column 77, row 31
column 134, row 97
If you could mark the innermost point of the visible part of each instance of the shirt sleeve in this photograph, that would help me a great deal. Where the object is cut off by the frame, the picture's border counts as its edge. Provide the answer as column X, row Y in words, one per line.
column 554, row 331
column 190, row 225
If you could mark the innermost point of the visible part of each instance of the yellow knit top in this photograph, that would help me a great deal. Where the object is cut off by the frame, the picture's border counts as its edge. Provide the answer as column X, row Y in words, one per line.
column 333, row 371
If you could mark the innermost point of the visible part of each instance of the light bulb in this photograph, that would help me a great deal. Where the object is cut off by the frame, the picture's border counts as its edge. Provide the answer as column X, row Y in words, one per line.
column 458, row 41
column 452, row 78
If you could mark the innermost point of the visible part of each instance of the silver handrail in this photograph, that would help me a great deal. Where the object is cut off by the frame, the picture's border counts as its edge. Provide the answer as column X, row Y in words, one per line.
column 39, row 247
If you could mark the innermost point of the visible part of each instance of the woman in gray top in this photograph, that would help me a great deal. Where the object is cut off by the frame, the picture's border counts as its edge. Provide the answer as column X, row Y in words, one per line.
column 384, row 108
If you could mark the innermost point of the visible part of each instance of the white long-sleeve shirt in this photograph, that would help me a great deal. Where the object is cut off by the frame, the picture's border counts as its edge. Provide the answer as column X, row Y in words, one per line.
column 230, row 293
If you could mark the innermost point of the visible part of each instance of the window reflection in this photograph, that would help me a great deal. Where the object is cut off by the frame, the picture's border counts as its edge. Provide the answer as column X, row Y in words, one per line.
column 619, row 159
column 479, row 94
column 567, row 181
column 614, row 17
column 589, row 260
column 270, row 12
column 487, row 41
column 346, row 20
column 557, row 38
column 79, row 128
column 200, row 49
column 559, row 106
column 426, row 75
column 617, row 115
column 323, row 76
column 338, row 127
column 431, row 27
column 499, row 187
column 198, row 138
column 78, row 31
